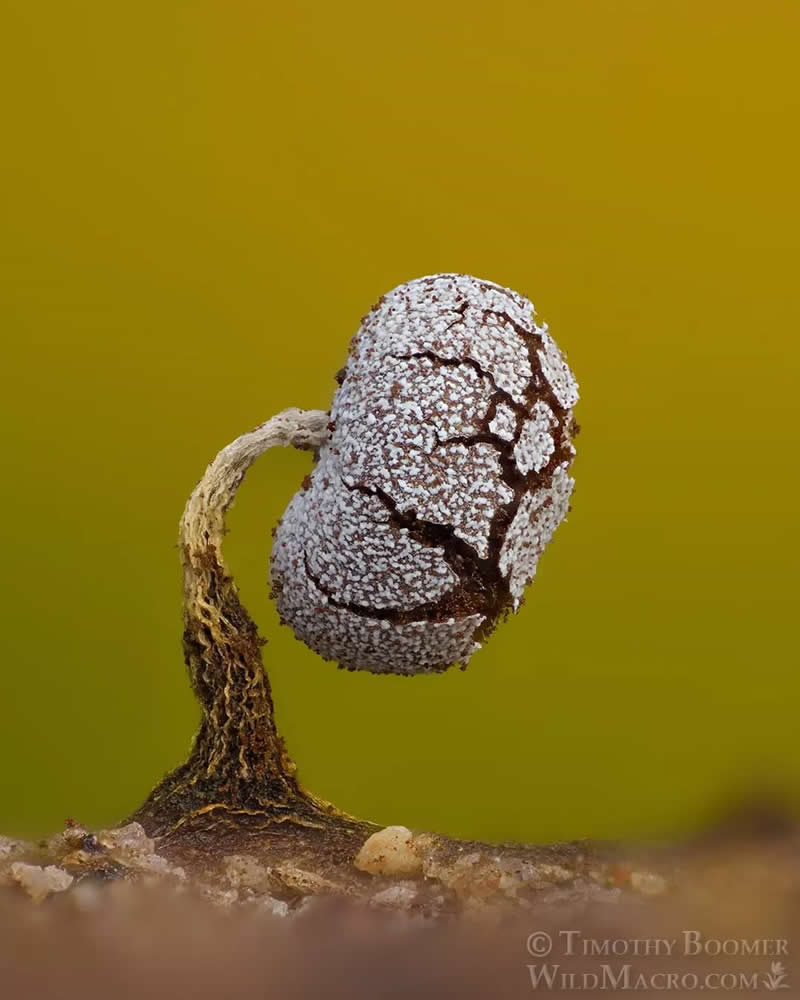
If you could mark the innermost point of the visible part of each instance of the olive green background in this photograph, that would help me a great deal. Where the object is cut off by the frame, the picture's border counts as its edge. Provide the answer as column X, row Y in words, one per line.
column 201, row 200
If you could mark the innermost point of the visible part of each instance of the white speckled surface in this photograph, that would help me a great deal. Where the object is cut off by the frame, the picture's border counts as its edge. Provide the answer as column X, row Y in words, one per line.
column 539, row 514
column 374, row 562
column 443, row 480
column 535, row 444
column 504, row 422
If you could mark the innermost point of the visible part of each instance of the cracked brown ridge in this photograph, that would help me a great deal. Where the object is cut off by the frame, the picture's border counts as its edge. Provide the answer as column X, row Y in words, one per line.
column 482, row 588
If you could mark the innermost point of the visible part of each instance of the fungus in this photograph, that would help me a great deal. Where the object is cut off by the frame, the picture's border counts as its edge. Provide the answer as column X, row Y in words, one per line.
column 440, row 475
column 442, row 481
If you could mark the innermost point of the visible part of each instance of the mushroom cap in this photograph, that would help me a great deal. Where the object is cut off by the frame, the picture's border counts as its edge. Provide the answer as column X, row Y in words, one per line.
column 444, row 478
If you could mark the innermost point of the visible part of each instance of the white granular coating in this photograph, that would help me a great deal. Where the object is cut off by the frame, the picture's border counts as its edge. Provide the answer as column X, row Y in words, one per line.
column 401, row 431
column 536, row 444
column 357, row 640
column 504, row 422
column 358, row 556
column 445, row 475
column 455, row 484
column 454, row 317
column 416, row 402
column 556, row 371
column 538, row 516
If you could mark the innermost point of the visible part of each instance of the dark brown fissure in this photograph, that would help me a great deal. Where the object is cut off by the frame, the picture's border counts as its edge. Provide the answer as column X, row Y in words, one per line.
column 450, row 605
column 538, row 389
column 468, row 440
column 480, row 582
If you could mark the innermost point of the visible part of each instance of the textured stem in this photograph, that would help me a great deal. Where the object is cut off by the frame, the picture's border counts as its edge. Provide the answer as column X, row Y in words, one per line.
column 239, row 775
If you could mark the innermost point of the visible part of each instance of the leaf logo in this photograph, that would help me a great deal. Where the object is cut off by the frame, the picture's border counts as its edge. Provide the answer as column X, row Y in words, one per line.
column 774, row 980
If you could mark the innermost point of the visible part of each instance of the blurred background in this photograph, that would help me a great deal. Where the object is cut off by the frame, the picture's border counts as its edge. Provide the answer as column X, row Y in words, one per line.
column 200, row 202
